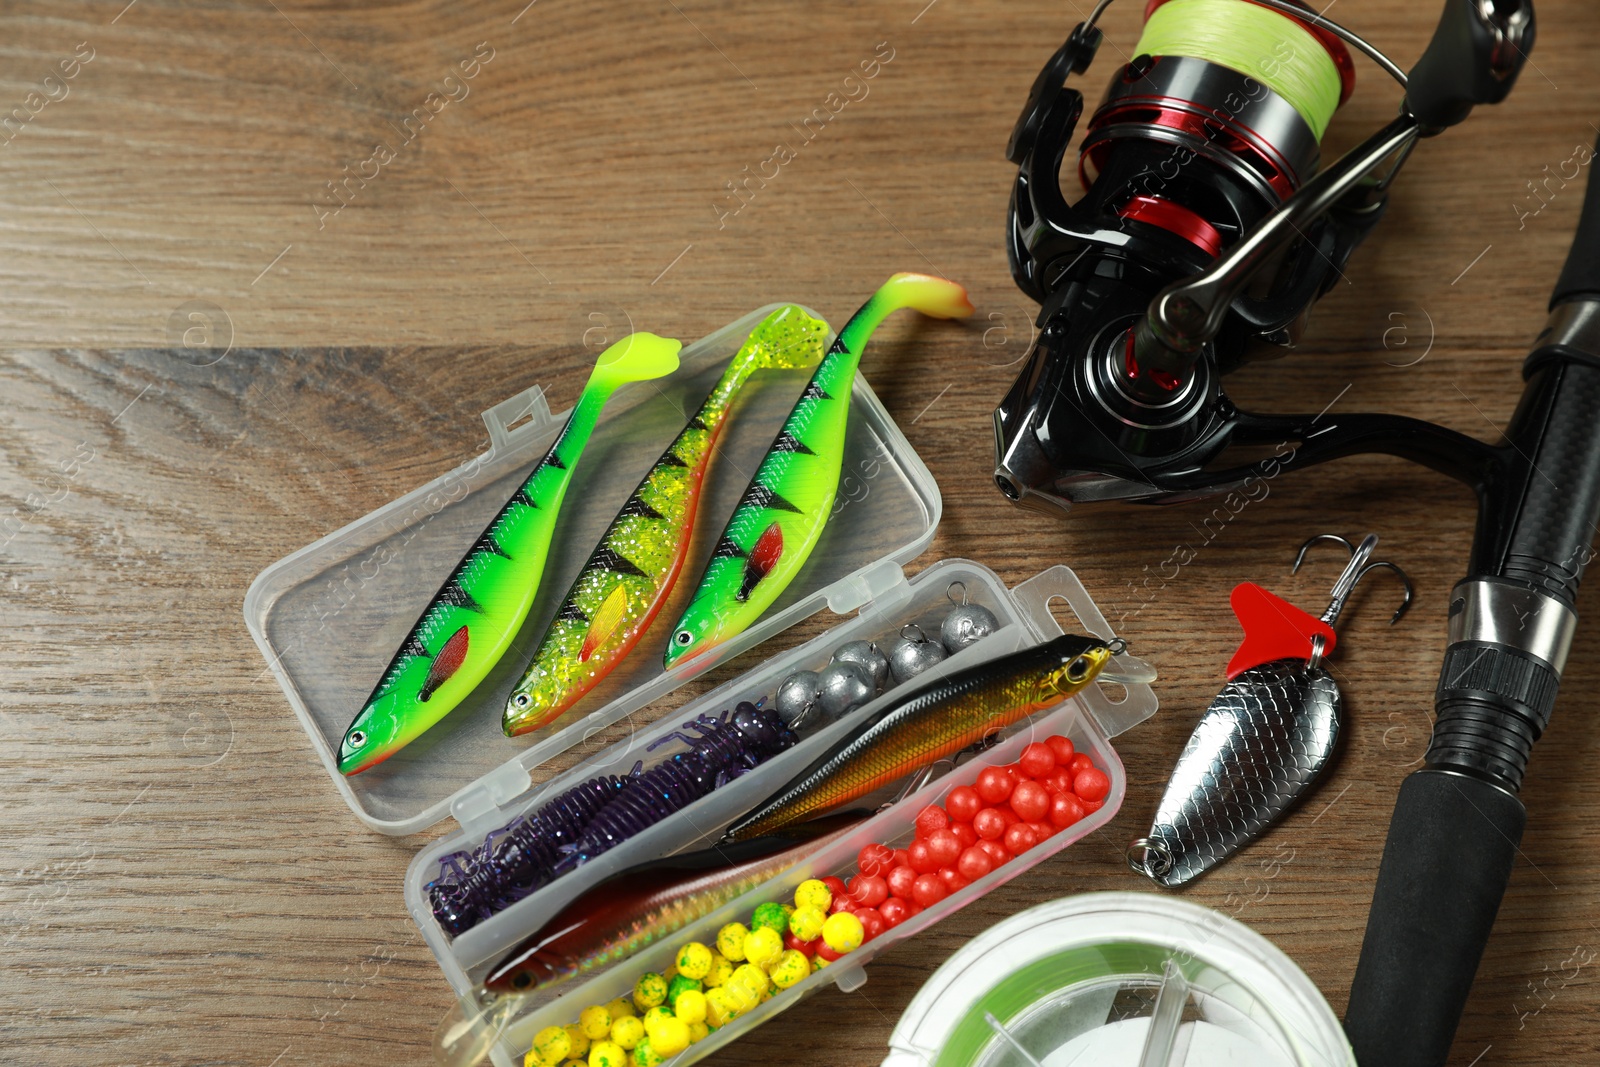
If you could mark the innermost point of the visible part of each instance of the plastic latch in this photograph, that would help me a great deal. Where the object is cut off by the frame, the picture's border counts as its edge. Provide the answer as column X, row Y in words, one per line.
column 875, row 583
column 480, row 806
column 851, row 979
column 526, row 413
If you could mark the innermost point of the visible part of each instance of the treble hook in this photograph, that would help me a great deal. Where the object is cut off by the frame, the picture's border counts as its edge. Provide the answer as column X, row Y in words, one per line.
column 1357, row 569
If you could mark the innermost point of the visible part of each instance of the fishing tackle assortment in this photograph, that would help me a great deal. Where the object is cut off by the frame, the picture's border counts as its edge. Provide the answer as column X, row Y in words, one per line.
column 637, row 562
column 936, row 721
column 470, row 622
column 1266, row 739
column 778, row 522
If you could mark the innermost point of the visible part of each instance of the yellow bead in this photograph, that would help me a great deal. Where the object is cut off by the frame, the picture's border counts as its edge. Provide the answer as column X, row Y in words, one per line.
column 763, row 946
column 806, row 922
column 579, row 1040
column 698, row 1032
column 694, row 960
column 627, row 1031
column 691, row 1006
column 812, row 893
column 620, row 1007
column 792, row 967
column 655, row 1017
column 842, row 932
column 607, row 1054
column 650, row 990
column 720, row 970
column 670, row 1038
column 550, row 1045
column 645, row 1055
column 576, row 1061
column 730, row 941
column 670, row 973
column 595, row 1021
column 721, row 1007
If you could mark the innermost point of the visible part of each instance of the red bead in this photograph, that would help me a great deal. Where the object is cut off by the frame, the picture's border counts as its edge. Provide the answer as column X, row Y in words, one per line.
column 808, row 947
column 1092, row 806
column 931, row 818
column 953, row 879
column 872, row 923
column 929, row 890
column 964, row 834
column 874, row 859
column 1037, row 760
column 900, row 881
column 1041, row 830
column 1011, row 817
column 921, row 857
column 996, row 851
column 902, row 858
column 841, row 902
column 944, row 847
column 963, row 803
column 827, row 953
column 1057, row 781
column 1019, row 839
column 975, row 863
column 1080, row 762
column 894, row 911
column 1063, row 749
column 835, row 886
column 869, row 890
column 994, row 785
column 1066, row 809
column 1030, row 800
column 1091, row 783
column 989, row 824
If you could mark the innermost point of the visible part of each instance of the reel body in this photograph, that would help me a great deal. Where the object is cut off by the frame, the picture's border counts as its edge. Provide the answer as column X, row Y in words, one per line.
column 1205, row 233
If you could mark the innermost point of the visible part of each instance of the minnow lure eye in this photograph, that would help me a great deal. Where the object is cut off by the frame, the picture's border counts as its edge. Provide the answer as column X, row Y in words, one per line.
column 358, row 739
column 521, row 700
column 1077, row 669
column 684, row 637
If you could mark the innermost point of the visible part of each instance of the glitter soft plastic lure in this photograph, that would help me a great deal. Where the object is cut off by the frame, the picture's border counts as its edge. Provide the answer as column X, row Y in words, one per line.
column 781, row 515
column 638, row 561
column 637, row 906
column 938, row 720
column 471, row 620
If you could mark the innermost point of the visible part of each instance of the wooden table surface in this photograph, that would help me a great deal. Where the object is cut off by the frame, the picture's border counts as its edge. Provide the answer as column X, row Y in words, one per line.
column 181, row 883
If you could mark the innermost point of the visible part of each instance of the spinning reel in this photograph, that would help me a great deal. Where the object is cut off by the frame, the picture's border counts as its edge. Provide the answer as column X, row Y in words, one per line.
column 1204, row 235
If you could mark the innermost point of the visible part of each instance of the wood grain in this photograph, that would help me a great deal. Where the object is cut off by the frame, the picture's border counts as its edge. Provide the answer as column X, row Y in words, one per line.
column 181, row 884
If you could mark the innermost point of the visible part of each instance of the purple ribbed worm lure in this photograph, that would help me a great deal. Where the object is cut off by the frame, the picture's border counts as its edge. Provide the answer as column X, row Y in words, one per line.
column 724, row 749
column 533, row 849
column 516, row 859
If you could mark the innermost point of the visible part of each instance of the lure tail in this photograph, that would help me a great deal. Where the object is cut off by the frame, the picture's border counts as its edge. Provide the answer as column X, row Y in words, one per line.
column 470, row 622
column 780, row 518
column 634, row 568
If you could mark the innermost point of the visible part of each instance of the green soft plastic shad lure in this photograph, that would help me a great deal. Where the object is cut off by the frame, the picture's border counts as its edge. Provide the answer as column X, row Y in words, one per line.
column 634, row 568
column 471, row 620
column 781, row 515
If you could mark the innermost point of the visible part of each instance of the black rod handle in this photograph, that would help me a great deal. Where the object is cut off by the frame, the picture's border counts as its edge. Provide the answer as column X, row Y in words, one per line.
column 1445, row 867
column 1580, row 277
column 1473, row 58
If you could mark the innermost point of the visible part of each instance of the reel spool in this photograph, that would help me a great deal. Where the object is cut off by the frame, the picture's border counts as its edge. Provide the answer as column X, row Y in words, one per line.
column 1205, row 229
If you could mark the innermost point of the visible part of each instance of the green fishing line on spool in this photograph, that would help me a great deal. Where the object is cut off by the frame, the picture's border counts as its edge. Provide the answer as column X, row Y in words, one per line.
column 1254, row 41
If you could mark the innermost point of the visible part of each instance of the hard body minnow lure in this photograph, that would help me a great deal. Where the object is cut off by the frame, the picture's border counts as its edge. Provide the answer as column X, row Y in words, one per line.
column 637, row 906
column 781, row 515
column 471, row 620
column 637, row 562
column 932, row 723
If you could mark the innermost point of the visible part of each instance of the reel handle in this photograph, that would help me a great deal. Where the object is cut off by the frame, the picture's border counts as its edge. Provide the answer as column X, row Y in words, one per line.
column 1474, row 58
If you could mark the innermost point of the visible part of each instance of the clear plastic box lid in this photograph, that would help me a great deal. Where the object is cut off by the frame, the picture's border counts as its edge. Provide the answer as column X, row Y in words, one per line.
column 329, row 617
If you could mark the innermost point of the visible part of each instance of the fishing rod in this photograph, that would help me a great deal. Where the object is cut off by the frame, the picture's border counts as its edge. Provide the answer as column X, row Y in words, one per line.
column 1204, row 235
